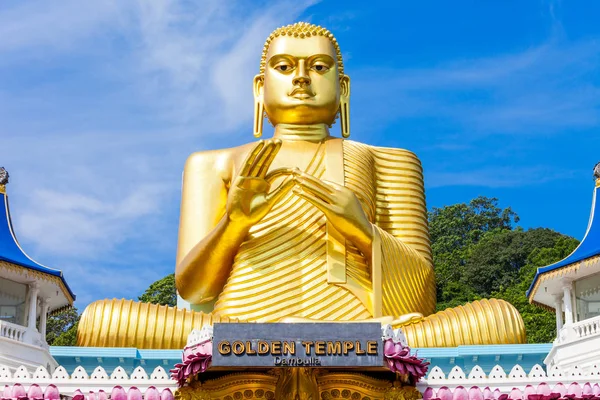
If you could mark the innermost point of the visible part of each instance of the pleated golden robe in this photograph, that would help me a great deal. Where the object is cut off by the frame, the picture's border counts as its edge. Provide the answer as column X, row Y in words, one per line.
column 294, row 264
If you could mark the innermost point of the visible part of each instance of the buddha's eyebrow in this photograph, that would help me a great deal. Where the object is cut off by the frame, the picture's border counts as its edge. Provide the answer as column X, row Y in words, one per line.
column 277, row 57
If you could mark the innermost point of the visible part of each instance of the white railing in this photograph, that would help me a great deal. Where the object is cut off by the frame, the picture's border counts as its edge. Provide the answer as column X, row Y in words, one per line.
column 80, row 379
column 587, row 327
column 12, row 331
column 496, row 381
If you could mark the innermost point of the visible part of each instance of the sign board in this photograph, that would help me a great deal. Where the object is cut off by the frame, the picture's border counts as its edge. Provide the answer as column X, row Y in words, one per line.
column 297, row 345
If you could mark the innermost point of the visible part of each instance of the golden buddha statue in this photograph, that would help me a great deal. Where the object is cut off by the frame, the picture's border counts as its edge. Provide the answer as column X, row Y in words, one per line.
column 303, row 226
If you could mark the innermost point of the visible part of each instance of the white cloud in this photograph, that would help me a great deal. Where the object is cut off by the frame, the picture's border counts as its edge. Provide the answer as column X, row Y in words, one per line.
column 497, row 177
column 106, row 100
column 536, row 91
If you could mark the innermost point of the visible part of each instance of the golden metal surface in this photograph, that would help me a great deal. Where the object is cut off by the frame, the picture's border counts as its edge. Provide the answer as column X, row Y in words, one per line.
column 127, row 323
column 238, row 386
column 305, row 226
column 448, row 328
column 300, row 384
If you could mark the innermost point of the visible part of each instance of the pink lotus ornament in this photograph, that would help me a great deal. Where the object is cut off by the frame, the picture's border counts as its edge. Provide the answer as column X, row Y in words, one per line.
column 18, row 392
column 166, row 394
column 35, row 392
column 7, row 394
column 51, row 393
column 397, row 355
column 197, row 355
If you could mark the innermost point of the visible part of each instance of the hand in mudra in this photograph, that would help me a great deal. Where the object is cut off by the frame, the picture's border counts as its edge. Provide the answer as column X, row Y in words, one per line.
column 249, row 198
column 340, row 206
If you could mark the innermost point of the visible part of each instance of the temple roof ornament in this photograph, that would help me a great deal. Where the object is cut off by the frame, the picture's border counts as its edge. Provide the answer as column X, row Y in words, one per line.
column 587, row 252
column 3, row 176
column 16, row 265
column 3, row 179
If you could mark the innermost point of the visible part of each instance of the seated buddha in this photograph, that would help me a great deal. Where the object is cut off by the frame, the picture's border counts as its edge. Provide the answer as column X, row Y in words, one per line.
column 303, row 226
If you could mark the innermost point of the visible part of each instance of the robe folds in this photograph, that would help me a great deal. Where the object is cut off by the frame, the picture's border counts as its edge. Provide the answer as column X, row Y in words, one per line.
column 295, row 264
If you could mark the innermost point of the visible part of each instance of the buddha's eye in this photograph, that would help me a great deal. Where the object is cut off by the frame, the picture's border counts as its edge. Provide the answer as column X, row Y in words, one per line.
column 320, row 67
column 283, row 67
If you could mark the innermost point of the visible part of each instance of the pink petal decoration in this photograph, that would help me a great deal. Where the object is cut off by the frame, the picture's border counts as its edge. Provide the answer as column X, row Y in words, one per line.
column 399, row 360
column 515, row 394
column 460, row 393
column 544, row 389
column 575, row 390
column 487, row 394
column 587, row 391
column 195, row 360
column 528, row 391
column 134, row 394
column 535, row 396
column 91, row 396
column 560, row 388
column 18, row 392
column 427, row 394
column 51, row 393
column 497, row 394
column 78, row 395
column 596, row 390
column 503, row 396
column 475, row 393
column 444, row 393
column 118, row 393
column 35, row 392
column 101, row 395
column 7, row 394
column 166, row 395
column 151, row 394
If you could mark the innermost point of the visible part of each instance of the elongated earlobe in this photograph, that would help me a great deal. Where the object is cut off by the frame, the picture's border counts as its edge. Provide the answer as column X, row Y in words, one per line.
column 345, row 105
column 259, row 111
column 259, row 106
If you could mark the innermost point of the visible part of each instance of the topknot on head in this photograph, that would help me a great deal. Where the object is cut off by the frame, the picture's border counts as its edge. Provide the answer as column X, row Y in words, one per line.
column 301, row 30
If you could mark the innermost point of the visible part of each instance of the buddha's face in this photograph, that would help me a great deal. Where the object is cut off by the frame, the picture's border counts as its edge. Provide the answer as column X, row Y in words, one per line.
column 301, row 83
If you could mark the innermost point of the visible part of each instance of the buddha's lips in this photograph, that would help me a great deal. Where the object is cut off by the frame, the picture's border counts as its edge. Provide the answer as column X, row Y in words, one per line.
column 302, row 91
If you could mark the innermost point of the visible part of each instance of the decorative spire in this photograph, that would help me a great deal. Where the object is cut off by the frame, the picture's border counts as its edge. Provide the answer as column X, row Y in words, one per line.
column 3, row 179
column 597, row 174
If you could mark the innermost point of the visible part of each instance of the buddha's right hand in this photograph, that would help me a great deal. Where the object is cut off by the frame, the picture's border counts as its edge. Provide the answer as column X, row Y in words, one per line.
column 249, row 198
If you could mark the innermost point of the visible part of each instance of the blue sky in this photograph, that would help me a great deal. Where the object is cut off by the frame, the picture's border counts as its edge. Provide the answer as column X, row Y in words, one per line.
column 102, row 101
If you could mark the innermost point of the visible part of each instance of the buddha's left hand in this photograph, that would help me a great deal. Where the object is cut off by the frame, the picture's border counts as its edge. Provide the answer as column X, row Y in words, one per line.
column 340, row 206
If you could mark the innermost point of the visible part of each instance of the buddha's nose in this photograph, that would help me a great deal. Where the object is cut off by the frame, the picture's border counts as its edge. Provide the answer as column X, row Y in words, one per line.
column 301, row 77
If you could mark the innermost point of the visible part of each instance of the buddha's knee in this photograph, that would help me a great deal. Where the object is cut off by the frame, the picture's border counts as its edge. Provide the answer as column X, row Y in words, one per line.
column 480, row 322
column 127, row 323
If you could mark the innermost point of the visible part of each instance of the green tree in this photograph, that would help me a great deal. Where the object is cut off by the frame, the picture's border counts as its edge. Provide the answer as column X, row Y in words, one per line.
column 477, row 254
column 495, row 262
column 454, row 230
column 61, row 328
column 161, row 292
column 67, row 338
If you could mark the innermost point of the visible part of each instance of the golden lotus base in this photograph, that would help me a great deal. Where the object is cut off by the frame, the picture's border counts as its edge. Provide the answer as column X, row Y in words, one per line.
column 299, row 384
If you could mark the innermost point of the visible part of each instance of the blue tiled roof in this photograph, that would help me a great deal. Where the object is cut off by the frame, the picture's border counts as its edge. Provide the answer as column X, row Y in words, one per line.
column 10, row 250
column 589, row 246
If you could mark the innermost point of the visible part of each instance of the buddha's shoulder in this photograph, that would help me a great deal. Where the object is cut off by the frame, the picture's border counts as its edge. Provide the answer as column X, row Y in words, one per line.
column 221, row 158
column 385, row 153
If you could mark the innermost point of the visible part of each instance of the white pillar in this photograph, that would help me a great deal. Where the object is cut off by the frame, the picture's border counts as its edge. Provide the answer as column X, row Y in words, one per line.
column 43, row 317
column 559, row 318
column 33, row 293
column 567, row 289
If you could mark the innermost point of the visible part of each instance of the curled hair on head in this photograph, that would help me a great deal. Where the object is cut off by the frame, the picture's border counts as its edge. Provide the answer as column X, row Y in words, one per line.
column 301, row 30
